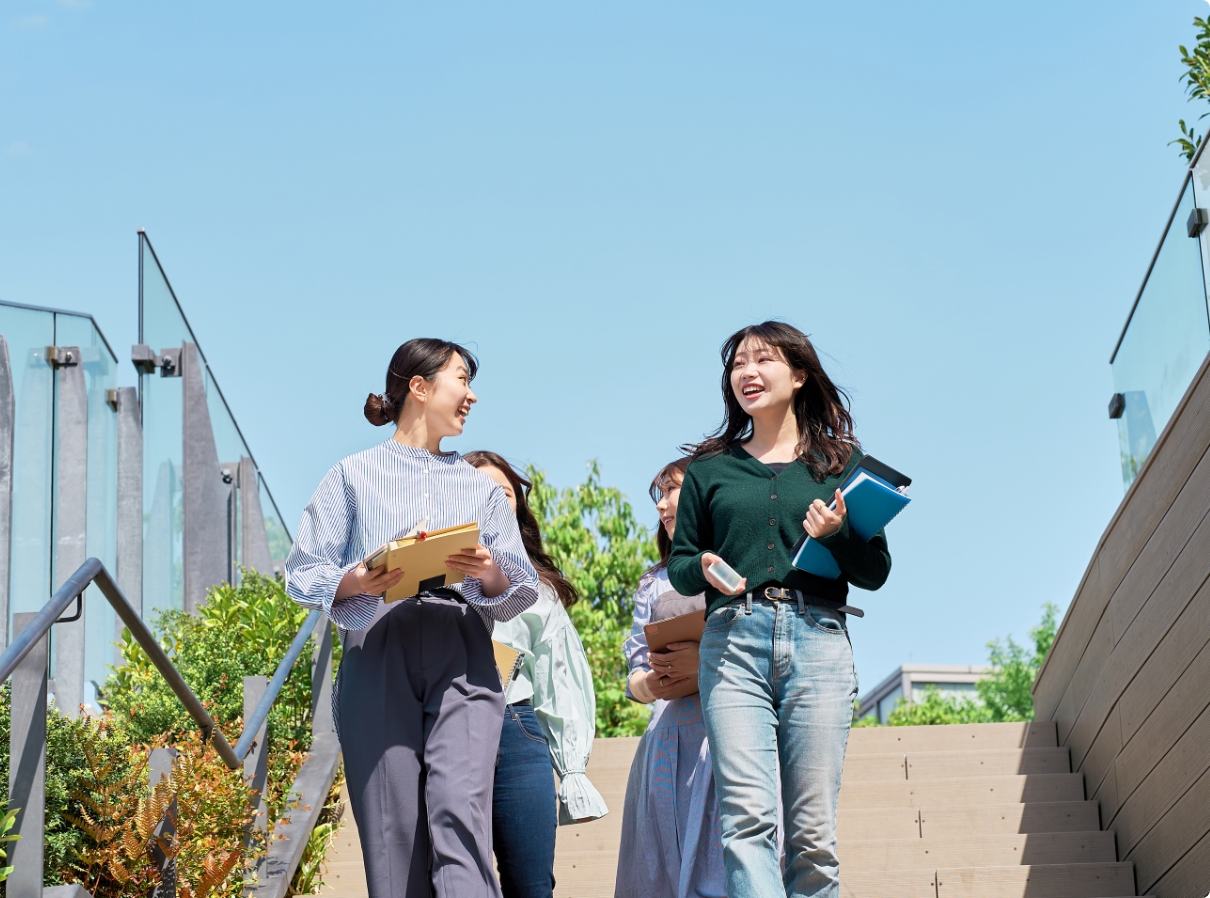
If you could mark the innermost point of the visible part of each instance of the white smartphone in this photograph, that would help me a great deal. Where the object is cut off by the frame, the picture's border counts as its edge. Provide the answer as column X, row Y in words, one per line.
column 726, row 575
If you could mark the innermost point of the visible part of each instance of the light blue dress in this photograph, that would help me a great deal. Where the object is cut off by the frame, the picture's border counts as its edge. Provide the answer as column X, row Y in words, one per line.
column 671, row 835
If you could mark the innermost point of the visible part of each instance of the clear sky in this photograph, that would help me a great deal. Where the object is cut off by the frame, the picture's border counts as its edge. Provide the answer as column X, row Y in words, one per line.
column 956, row 200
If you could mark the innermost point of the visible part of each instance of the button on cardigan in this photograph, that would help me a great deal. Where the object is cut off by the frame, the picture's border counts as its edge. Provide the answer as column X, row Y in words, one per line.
column 750, row 516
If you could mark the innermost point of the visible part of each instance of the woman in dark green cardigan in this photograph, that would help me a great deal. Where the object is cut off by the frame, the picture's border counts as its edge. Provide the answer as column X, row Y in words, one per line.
column 776, row 676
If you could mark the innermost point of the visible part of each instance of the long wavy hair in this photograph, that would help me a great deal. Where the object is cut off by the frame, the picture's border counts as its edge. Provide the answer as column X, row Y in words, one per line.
column 531, row 533
column 670, row 476
column 821, row 409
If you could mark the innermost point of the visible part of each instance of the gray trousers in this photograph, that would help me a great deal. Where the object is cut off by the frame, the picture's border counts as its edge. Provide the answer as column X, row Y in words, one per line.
column 420, row 715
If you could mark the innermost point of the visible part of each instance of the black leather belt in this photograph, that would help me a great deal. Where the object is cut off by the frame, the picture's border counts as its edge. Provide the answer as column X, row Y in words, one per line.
column 778, row 594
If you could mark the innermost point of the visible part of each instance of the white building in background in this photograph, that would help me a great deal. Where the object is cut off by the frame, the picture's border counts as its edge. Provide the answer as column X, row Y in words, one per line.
column 912, row 680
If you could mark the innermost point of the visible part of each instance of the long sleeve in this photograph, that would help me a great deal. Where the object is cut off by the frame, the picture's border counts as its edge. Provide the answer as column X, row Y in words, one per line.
column 635, row 647
column 693, row 537
column 865, row 564
column 499, row 534
column 566, row 707
column 317, row 561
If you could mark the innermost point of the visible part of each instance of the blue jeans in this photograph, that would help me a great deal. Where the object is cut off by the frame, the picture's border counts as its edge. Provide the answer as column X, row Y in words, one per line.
column 524, row 811
column 777, row 693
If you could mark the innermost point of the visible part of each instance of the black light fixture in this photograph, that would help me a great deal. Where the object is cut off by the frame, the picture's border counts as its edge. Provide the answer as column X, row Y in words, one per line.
column 1117, row 405
column 1198, row 219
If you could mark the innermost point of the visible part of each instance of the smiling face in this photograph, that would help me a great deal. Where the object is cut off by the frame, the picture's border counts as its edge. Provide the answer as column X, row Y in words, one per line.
column 670, row 495
column 762, row 380
column 446, row 399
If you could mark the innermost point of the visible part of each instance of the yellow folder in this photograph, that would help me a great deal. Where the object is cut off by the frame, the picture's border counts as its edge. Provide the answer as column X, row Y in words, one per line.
column 422, row 559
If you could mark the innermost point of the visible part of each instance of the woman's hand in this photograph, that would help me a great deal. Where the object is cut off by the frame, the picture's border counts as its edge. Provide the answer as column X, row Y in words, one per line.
column 478, row 563
column 679, row 660
column 363, row 581
column 708, row 558
column 822, row 521
column 660, row 685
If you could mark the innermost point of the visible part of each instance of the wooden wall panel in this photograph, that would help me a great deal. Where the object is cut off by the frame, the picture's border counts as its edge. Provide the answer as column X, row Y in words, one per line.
column 1169, row 600
column 1170, row 720
column 1182, row 766
column 1175, row 455
column 1127, row 682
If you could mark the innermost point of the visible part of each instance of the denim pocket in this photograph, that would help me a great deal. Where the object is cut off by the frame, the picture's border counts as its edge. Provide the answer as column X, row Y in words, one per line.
column 827, row 620
column 529, row 726
column 721, row 619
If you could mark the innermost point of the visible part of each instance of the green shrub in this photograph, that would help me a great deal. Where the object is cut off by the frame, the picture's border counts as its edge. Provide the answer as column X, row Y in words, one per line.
column 591, row 532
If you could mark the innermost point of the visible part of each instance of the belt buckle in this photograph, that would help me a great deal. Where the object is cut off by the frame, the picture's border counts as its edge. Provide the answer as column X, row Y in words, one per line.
column 777, row 594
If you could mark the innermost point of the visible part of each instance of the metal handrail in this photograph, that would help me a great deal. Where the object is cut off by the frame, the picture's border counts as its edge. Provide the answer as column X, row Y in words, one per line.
column 261, row 712
column 93, row 571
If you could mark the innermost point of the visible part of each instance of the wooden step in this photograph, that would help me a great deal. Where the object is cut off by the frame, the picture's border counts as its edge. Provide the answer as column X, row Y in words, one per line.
column 1108, row 880
column 976, row 849
column 599, row 835
column 921, row 765
column 586, row 874
column 974, row 790
column 909, row 823
column 1033, row 817
column 955, row 737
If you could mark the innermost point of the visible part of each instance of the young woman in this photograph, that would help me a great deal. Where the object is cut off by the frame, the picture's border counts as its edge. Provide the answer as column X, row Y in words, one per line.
column 777, row 674
column 549, row 715
column 418, row 699
column 671, row 846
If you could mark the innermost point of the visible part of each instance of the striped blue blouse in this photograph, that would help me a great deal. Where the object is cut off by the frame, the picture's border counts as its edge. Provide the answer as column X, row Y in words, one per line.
column 380, row 494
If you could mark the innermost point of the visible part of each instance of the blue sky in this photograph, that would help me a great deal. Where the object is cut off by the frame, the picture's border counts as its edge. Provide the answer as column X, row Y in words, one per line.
column 956, row 200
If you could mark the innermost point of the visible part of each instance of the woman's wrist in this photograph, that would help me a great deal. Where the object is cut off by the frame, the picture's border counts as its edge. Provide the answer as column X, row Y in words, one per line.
column 638, row 687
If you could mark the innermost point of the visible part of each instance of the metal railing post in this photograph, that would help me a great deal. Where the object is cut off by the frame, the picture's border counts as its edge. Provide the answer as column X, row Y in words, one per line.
column 27, row 766
column 256, row 762
column 205, row 494
column 8, row 430
column 70, row 519
column 129, row 569
column 159, row 767
column 321, row 679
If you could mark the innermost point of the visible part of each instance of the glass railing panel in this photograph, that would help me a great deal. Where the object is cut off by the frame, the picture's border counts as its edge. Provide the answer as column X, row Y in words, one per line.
column 28, row 334
column 275, row 528
column 1165, row 342
column 100, row 377
column 161, row 326
column 1201, row 195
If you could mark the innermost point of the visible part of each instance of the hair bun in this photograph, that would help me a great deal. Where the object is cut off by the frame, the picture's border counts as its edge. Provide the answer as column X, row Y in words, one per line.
column 378, row 409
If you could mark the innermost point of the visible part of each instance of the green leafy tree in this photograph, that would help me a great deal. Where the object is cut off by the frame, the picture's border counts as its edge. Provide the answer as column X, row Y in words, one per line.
column 591, row 532
column 1197, row 85
column 1006, row 693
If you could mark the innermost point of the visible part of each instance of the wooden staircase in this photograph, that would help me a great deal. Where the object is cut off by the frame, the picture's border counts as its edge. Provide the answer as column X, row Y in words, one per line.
column 971, row 811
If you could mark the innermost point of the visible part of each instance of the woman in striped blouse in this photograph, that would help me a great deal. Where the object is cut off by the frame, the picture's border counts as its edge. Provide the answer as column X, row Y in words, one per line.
column 418, row 699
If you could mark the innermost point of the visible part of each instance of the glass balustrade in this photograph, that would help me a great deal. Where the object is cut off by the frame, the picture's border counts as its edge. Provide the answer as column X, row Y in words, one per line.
column 29, row 332
column 1166, row 338
column 163, row 326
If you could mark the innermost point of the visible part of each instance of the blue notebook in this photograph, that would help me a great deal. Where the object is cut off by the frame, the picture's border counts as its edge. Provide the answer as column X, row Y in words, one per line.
column 873, row 495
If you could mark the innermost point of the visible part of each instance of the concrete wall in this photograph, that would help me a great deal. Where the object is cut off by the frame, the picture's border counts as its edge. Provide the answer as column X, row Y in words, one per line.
column 1128, row 680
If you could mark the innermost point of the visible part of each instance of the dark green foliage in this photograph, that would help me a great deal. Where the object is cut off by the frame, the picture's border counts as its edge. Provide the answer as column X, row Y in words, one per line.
column 240, row 631
column 593, row 536
column 64, row 765
column 1197, row 85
